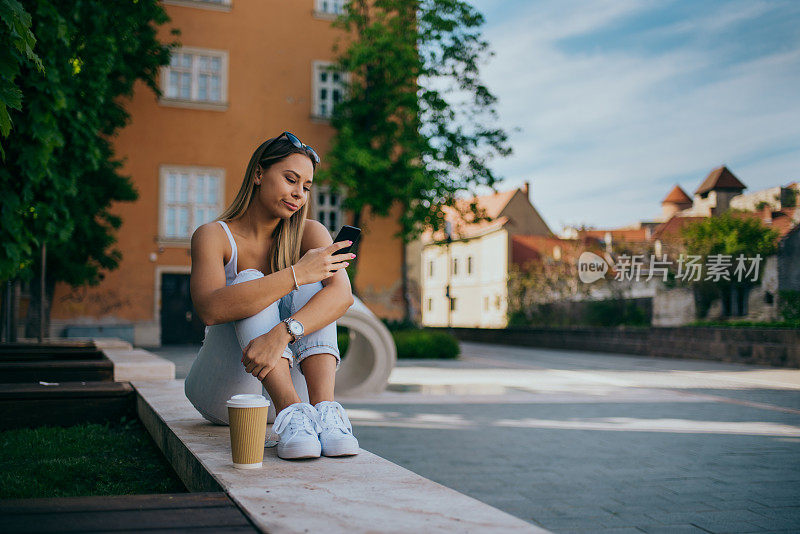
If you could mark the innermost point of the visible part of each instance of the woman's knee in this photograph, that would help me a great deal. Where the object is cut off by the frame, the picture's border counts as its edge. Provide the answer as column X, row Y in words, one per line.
column 251, row 327
column 298, row 298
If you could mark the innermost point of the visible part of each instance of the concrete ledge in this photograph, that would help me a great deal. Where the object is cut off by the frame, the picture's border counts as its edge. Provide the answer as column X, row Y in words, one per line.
column 137, row 364
column 363, row 493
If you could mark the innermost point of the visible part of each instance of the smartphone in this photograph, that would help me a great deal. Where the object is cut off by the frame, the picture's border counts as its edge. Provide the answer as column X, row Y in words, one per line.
column 347, row 233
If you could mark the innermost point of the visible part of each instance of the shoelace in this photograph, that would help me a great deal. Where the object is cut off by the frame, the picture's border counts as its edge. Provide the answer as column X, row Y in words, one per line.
column 298, row 416
column 332, row 415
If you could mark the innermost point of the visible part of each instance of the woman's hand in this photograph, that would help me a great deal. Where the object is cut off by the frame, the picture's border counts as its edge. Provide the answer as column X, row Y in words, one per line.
column 263, row 353
column 319, row 263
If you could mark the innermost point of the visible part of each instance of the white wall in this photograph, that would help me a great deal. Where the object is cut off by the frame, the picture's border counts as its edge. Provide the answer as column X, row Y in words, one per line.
column 471, row 290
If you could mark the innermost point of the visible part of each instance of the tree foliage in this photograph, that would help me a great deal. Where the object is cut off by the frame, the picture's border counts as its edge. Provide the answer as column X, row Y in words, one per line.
column 16, row 35
column 732, row 233
column 60, row 179
column 415, row 125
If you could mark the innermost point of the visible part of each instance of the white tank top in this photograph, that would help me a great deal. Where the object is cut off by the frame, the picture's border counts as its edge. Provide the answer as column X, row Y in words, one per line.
column 230, row 267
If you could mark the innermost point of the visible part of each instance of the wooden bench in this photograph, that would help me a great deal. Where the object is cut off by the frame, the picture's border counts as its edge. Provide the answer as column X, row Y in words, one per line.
column 185, row 512
column 29, row 405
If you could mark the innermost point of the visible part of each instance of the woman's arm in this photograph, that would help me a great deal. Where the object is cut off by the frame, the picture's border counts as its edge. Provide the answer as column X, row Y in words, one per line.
column 336, row 296
column 217, row 303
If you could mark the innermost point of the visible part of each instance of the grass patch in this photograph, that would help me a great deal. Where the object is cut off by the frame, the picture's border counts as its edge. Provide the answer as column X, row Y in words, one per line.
column 83, row 460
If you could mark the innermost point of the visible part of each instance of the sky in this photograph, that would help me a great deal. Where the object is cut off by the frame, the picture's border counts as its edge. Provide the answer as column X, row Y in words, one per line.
column 610, row 103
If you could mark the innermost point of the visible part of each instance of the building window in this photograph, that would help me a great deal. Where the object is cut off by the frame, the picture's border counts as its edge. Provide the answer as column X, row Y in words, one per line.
column 328, row 87
column 196, row 75
column 430, row 269
column 485, row 303
column 497, row 301
column 455, row 266
column 469, row 264
column 331, row 7
column 329, row 207
column 430, row 304
column 190, row 197
column 452, row 304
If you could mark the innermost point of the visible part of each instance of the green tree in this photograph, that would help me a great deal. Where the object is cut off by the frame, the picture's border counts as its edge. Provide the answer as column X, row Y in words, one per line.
column 60, row 179
column 18, row 41
column 733, row 233
column 414, row 127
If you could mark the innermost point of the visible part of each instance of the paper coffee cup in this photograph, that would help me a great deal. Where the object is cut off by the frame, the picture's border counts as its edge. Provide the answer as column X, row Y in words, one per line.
column 247, row 414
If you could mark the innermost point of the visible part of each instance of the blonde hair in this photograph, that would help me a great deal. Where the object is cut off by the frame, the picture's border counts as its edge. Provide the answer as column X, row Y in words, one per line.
column 285, row 248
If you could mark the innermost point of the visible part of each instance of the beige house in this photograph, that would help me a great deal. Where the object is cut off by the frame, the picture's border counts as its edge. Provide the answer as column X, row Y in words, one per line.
column 464, row 279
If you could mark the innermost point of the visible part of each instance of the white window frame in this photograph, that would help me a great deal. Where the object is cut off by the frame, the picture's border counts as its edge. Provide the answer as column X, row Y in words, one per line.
column 316, row 87
column 221, row 5
column 193, row 101
column 326, row 207
column 163, row 205
column 329, row 9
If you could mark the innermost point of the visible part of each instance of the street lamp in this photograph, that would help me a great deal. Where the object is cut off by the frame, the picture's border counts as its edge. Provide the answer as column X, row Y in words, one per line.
column 448, row 231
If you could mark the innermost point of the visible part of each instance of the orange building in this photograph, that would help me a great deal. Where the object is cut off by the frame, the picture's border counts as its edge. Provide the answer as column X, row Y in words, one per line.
column 246, row 71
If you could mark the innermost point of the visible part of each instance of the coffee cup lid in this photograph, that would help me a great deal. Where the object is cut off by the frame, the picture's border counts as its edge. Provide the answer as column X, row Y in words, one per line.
column 247, row 400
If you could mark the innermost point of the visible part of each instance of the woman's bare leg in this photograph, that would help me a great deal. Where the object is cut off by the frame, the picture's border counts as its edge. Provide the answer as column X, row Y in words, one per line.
column 319, row 371
column 278, row 384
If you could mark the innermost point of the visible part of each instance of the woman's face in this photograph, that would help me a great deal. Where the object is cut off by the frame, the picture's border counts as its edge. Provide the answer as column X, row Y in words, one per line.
column 285, row 185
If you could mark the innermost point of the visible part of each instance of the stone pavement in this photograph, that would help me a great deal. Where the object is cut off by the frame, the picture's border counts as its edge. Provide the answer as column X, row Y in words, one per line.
column 592, row 442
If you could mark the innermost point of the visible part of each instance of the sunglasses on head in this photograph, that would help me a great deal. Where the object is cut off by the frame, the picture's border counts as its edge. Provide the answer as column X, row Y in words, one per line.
column 296, row 142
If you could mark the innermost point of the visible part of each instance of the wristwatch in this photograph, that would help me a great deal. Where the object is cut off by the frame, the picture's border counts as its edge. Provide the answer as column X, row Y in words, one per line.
column 294, row 327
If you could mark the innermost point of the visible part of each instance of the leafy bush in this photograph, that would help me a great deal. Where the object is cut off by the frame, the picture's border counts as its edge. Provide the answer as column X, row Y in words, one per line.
column 412, row 343
column 425, row 344
column 395, row 325
column 615, row 312
column 789, row 305
column 343, row 339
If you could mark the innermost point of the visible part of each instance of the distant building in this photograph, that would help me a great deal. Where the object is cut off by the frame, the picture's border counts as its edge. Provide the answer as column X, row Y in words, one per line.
column 464, row 279
column 719, row 192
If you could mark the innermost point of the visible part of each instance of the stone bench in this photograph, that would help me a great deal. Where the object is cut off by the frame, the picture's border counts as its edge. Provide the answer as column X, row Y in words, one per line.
column 362, row 493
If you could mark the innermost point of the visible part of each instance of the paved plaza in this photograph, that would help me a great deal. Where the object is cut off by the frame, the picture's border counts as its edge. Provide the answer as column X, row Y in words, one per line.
column 594, row 442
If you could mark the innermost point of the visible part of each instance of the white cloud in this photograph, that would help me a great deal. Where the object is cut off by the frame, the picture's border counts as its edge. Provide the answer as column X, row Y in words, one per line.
column 605, row 133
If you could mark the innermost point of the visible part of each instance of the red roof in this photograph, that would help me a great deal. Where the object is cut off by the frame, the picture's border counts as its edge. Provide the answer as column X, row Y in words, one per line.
column 633, row 235
column 671, row 229
column 677, row 196
column 527, row 248
column 720, row 178
column 782, row 221
column 492, row 205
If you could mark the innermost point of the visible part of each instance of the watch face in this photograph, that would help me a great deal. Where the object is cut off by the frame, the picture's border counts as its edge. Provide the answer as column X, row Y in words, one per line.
column 296, row 328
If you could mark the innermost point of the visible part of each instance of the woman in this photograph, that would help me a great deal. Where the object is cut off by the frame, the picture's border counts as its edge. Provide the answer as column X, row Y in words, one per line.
column 266, row 281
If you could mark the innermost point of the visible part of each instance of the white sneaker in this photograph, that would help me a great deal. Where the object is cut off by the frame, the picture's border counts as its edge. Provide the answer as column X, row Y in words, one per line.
column 298, row 426
column 336, row 437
